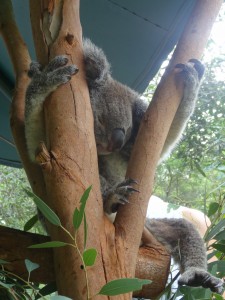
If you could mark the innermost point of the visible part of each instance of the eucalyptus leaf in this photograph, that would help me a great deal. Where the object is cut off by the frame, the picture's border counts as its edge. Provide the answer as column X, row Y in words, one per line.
column 85, row 230
column 215, row 230
column 217, row 296
column 7, row 285
column 3, row 262
column 30, row 223
column 31, row 266
column 220, row 236
column 198, row 167
column 47, row 290
column 122, row 286
column 77, row 218
column 89, row 256
column 213, row 207
column 44, row 208
column 52, row 244
column 220, row 247
column 58, row 297
column 220, row 266
column 79, row 213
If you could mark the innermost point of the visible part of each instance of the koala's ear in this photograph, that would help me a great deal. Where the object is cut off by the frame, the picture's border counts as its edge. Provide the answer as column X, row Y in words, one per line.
column 93, row 71
column 96, row 63
column 139, row 108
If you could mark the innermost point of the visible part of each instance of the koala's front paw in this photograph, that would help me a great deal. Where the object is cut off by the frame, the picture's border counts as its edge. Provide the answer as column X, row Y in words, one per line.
column 198, row 277
column 118, row 195
column 53, row 75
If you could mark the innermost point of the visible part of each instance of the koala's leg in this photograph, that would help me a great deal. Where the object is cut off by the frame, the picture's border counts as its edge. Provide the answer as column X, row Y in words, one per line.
column 43, row 82
column 97, row 66
column 191, row 74
column 186, row 246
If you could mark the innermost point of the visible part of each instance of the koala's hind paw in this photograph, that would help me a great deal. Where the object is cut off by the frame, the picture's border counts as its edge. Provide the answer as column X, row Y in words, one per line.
column 198, row 277
column 118, row 195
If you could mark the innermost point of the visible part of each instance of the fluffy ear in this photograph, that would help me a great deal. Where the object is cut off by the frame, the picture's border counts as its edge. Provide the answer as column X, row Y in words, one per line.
column 139, row 108
column 96, row 64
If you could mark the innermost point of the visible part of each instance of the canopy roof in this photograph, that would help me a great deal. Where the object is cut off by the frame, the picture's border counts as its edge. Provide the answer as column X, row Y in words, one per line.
column 135, row 35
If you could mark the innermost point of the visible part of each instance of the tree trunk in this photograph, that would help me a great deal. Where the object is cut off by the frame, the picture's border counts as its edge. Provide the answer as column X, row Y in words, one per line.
column 71, row 160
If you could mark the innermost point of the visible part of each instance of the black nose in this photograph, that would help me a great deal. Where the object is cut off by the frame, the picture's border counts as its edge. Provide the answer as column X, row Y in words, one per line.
column 117, row 140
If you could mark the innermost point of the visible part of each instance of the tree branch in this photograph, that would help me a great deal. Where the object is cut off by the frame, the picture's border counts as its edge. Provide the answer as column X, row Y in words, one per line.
column 71, row 145
column 15, row 250
column 20, row 58
column 155, row 126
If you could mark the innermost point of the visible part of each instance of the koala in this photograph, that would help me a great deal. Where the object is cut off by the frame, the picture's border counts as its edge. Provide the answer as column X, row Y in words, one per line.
column 117, row 112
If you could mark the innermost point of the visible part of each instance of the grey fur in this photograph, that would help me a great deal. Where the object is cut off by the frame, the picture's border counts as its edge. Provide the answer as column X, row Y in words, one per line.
column 118, row 111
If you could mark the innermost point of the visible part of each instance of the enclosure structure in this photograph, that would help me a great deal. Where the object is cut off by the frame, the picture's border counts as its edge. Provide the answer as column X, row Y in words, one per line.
column 68, row 157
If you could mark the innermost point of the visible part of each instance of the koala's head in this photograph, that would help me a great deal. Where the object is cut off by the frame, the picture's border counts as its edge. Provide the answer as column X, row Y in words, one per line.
column 113, row 117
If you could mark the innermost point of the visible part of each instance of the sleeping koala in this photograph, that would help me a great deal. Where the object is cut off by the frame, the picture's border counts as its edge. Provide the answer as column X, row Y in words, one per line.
column 117, row 112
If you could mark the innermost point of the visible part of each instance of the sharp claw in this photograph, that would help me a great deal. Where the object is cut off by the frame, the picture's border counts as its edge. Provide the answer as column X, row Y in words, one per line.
column 131, row 189
column 123, row 201
column 127, row 182
column 132, row 181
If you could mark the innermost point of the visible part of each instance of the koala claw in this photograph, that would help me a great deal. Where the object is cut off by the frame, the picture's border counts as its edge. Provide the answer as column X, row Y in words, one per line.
column 44, row 81
column 198, row 277
column 118, row 195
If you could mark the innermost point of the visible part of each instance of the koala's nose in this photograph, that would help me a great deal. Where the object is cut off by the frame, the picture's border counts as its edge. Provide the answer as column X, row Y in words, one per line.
column 117, row 140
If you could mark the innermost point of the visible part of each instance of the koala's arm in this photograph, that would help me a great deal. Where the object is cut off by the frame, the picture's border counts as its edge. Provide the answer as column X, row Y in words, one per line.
column 191, row 74
column 43, row 82
column 186, row 246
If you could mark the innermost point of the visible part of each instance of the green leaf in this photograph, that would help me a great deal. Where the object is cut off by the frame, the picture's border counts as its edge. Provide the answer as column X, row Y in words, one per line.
column 77, row 218
column 79, row 213
column 44, row 208
column 213, row 207
column 220, row 236
column 198, row 167
column 30, row 265
column 30, row 223
column 218, row 265
column 217, row 296
column 85, row 230
column 53, row 244
column 47, row 290
column 215, row 230
column 7, row 285
column 85, row 196
column 220, row 247
column 3, row 262
column 60, row 298
column 122, row 286
column 89, row 256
